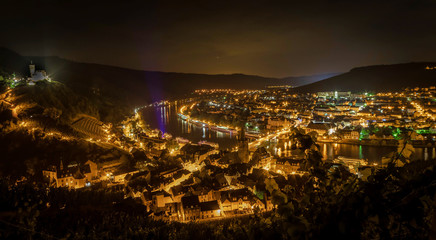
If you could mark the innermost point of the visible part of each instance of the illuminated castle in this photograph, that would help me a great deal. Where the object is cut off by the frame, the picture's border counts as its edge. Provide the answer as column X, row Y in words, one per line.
column 36, row 75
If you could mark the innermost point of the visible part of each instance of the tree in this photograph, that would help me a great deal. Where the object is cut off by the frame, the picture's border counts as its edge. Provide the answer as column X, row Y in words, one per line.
column 313, row 134
column 364, row 133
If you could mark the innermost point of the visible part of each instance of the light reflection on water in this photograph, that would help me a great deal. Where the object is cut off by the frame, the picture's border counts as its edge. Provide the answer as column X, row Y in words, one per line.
column 165, row 119
column 373, row 154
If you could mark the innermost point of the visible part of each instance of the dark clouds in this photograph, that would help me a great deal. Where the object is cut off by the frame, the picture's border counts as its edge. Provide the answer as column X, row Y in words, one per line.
column 256, row 37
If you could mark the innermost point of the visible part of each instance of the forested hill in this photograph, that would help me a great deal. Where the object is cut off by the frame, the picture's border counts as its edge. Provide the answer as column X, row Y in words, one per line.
column 378, row 78
column 136, row 87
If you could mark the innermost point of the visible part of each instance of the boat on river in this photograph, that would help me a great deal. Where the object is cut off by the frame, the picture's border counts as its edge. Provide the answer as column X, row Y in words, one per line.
column 215, row 145
column 350, row 161
column 353, row 164
column 182, row 140
column 198, row 123
column 223, row 129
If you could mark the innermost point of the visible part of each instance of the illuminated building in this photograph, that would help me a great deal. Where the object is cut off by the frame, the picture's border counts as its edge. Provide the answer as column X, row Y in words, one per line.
column 243, row 153
column 36, row 75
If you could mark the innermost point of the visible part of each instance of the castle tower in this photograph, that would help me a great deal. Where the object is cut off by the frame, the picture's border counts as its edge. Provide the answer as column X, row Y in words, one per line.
column 32, row 69
column 243, row 153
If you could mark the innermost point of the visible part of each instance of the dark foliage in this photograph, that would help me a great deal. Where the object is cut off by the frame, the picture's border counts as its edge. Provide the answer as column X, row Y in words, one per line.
column 394, row 203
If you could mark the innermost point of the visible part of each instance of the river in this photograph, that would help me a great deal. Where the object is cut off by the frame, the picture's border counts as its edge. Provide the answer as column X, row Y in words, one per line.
column 165, row 119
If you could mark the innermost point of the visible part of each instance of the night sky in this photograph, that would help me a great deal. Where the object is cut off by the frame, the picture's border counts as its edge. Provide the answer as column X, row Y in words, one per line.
column 267, row 38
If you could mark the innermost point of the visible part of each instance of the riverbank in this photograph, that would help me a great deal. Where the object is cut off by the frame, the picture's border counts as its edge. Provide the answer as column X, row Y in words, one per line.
column 166, row 119
column 208, row 125
column 377, row 142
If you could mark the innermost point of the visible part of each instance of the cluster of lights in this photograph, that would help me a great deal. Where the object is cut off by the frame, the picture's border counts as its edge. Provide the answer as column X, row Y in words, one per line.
column 422, row 111
column 227, row 91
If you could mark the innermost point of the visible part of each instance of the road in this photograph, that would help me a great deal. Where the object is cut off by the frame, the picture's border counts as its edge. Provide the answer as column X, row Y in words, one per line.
column 253, row 145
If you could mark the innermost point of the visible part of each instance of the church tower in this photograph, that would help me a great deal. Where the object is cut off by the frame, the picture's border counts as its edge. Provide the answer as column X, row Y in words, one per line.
column 243, row 153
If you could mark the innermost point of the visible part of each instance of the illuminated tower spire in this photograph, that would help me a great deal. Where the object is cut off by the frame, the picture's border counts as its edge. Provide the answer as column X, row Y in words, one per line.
column 32, row 69
column 242, row 134
column 243, row 153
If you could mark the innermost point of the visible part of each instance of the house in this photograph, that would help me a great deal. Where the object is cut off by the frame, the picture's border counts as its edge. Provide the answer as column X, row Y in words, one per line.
column 206, row 195
column 109, row 166
column 239, row 200
column 178, row 192
column 197, row 152
column 74, row 176
column 172, row 211
column 334, row 94
column 147, row 199
column 119, row 176
column 349, row 134
column 160, row 198
column 246, row 182
column 268, row 202
column 364, row 113
column 191, row 208
column 277, row 123
column 90, row 170
column 220, row 181
column 288, row 165
column 260, row 158
column 181, row 173
column 50, row 175
column 320, row 128
column 71, row 178
column 169, row 173
column 210, row 209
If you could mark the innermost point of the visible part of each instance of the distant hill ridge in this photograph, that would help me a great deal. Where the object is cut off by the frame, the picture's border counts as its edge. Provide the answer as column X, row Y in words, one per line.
column 136, row 87
column 384, row 78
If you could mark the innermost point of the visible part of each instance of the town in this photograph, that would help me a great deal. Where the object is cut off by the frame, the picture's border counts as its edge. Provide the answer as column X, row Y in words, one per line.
column 184, row 120
column 180, row 180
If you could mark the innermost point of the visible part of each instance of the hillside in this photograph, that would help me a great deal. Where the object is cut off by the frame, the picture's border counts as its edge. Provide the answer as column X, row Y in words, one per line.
column 11, row 61
column 117, row 86
column 35, row 129
column 45, row 96
column 138, row 87
column 135, row 87
column 304, row 80
column 377, row 78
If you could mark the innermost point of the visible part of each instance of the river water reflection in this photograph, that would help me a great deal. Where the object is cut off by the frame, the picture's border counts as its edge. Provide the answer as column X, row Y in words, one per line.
column 165, row 119
column 372, row 153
